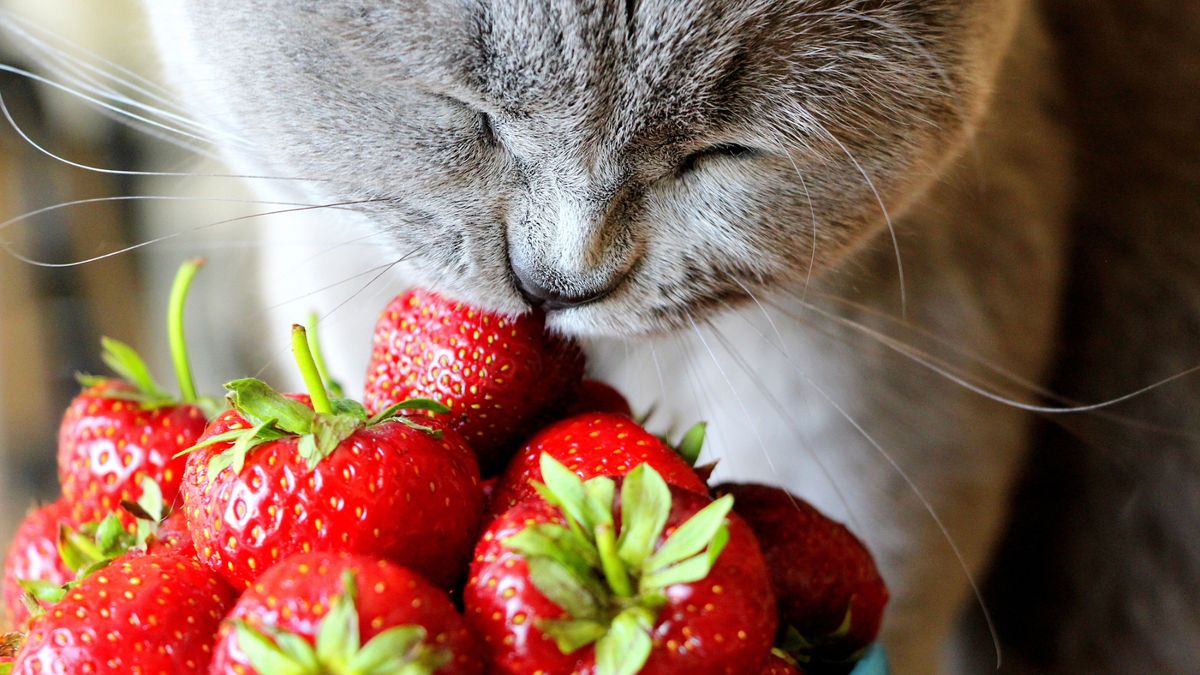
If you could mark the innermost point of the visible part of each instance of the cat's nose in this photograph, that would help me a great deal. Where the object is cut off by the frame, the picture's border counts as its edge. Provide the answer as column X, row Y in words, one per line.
column 538, row 295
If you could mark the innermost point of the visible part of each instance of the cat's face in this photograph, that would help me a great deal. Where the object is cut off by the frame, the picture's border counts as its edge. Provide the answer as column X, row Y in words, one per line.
column 662, row 156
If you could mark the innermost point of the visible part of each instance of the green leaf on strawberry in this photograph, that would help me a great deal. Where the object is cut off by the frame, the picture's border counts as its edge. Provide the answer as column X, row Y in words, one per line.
column 339, row 648
column 611, row 584
column 320, row 434
column 94, row 545
column 10, row 644
column 692, row 443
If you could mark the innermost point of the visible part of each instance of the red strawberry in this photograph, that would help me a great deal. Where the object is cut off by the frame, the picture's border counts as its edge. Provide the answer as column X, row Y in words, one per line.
column 831, row 597
column 33, row 556
column 499, row 375
column 147, row 614
column 107, row 445
column 654, row 580
column 118, row 432
column 274, row 477
column 345, row 613
column 78, row 551
column 596, row 396
column 591, row 445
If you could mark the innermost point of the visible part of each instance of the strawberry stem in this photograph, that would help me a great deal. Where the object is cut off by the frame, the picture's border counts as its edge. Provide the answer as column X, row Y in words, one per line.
column 308, row 370
column 175, row 332
column 314, row 344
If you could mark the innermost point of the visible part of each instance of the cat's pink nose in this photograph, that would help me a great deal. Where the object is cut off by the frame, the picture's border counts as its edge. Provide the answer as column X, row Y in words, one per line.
column 538, row 295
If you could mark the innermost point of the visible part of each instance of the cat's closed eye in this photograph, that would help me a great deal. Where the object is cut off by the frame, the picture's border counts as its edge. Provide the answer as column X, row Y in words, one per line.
column 720, row 151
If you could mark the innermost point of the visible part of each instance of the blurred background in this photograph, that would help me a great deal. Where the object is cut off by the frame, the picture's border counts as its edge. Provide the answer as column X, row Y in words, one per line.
column 51, row 318
column 54, row 310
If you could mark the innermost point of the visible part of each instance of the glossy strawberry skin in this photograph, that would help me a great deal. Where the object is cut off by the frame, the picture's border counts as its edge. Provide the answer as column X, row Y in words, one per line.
column 596, row 396
column 147, row 613
column 819, row 569
column 389, row 595
column 723, row 624
column 107, row 445
column 592, row 444
column 500, row 376
column 33, row 555
column 388, row 490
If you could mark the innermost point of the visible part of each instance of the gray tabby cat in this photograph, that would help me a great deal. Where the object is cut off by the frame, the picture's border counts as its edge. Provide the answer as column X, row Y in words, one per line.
column 852, row 234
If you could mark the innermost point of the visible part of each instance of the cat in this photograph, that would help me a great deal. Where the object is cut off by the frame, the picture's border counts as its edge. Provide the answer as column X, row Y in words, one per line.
column 868, row 241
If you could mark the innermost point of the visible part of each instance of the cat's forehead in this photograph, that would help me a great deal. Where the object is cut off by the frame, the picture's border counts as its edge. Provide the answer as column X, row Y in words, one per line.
column 619, row 69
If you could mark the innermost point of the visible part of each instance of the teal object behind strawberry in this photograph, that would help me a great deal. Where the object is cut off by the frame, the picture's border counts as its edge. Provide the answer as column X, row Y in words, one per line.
column 339, row 613
column 500, row 376
column 119, row 431
column 642, row 578
column 275, row 477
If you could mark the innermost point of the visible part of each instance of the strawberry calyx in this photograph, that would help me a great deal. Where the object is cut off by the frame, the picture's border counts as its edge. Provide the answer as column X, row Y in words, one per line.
column 806, row 649
column 339, row 649
column 692, row 442
column 94, row 545
column 10, row 644
column 321, row 428
column 611, row 582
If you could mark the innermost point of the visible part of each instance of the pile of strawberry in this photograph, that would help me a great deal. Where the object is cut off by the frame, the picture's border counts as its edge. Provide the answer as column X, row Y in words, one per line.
column 485, row 509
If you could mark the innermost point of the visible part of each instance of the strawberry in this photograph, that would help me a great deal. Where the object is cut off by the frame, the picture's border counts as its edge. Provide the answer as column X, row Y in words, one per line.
column 591, row 445
column 142, row 613
column 596, row 396
column 499, row 375
column 650, row 579
column 78, row 551
column 119, row 431
column 273, row 477
column 320, row 613
column 33, row 556
column 831, row 596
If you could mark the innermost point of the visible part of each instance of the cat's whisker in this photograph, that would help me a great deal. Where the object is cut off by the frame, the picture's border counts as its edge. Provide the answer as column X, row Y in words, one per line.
column 82, row 77
column 812, row 210
column 53, row 84
column 7, row 113
column 662, row 381
column 887, row 216
column 926, row 505
column 376, row 273
column 150, row 198
column 87, row 77
column 781, row 347
column 8, row 248
column 11, row 18
column 784, row 414
column 700, row 399
column 945, row 370
column 741, row 401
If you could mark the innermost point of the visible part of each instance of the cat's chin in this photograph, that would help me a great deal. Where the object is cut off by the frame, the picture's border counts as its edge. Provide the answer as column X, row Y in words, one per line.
column 601, row 322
